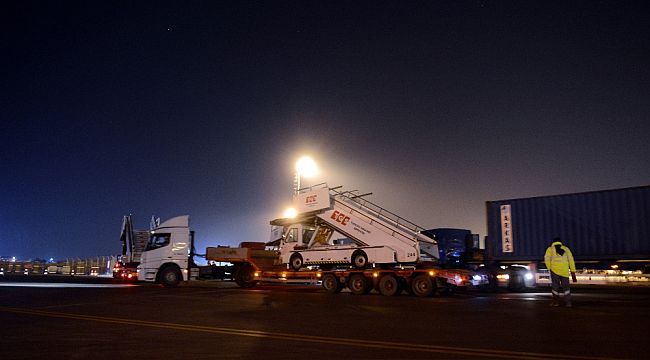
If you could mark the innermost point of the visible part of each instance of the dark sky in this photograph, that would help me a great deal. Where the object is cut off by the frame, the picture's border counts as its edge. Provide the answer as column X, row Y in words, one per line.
column 201, row 108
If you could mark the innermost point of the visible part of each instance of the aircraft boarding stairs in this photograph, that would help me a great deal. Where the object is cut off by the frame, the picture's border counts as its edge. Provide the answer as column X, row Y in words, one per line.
column 374, row 228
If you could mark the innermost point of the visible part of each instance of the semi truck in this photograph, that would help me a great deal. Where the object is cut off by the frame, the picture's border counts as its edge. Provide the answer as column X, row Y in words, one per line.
column 338, row 238
column 607, row 231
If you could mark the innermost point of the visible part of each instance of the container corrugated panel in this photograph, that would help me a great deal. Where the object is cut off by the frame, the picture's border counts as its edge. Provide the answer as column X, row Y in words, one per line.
column 599, row 225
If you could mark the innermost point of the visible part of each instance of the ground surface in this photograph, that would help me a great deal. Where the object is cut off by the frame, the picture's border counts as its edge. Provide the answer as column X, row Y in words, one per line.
column 78, row 318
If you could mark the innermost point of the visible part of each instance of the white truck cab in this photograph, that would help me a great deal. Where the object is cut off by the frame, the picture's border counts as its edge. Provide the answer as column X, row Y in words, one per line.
column 165, row 259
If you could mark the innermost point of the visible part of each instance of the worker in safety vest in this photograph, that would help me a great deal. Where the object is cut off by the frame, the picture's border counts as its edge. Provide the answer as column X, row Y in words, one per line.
column 559, row 261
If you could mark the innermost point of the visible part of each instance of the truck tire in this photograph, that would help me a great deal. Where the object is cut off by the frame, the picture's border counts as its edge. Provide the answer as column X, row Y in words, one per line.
column 245, row 276
column 295, row 261
column 422, row 286
column 492, row 284
column 170, row 277
column 516, row 282
column 359, row 284
column 359, row 259
column 444, row 288
column 389, row 285
column 331, row 284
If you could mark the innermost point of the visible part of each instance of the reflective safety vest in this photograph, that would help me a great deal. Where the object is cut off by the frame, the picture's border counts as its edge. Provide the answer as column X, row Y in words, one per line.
column 559, row 264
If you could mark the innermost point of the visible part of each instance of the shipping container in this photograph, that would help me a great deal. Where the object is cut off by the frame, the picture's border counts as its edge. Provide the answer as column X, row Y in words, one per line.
column 600, row 226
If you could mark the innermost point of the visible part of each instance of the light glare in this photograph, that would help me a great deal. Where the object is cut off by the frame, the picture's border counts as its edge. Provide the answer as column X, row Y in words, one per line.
column 290, row 213
column 529, row 276
column 306, row 166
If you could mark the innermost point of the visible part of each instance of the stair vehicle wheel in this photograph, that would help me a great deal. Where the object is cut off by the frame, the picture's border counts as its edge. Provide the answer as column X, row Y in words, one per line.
column 170, row 277
column 422, row 286
column 295, row 261
column 359, row 259
column 358, row 284
column 331, row 284
column 389, row 285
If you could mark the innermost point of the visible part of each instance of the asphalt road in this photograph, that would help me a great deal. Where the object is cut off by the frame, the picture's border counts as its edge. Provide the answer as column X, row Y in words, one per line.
column 65, row 318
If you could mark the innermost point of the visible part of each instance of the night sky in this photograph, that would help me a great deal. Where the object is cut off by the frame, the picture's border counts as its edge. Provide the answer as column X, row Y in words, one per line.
column 201, row 108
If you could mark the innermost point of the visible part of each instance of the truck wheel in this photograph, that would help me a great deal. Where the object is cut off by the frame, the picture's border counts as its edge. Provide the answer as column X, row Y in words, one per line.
column 422, row 286
column 331, row 284
column 359, row 259
column 492, row 283
column 245, row 276
column 170, row 277
column 295, row 261
column 389, row 285
column 444, row 288
column 359, row 284
column 516, row 282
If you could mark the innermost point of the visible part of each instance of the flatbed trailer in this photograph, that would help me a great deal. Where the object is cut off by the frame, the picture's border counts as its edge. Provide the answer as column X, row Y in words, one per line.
column 254, row 265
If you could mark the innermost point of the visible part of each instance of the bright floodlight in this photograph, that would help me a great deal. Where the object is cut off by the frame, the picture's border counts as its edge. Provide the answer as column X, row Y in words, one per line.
column 290, row 213
column 306, row 167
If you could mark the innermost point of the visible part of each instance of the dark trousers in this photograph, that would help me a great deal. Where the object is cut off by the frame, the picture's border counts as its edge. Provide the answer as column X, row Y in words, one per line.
column 560, row 287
